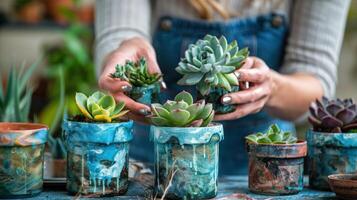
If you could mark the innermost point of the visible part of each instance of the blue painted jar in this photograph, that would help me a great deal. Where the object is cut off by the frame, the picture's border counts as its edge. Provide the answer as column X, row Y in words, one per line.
column 146, row 94
column 276, row 169
column 21, row 159
column 330, row 153
column 186, row 161
column 97, row 157
column 215, row 97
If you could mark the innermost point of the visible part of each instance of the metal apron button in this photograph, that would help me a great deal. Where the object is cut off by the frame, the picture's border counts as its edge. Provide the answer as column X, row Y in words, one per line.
column 166, row 25
column 277, row 21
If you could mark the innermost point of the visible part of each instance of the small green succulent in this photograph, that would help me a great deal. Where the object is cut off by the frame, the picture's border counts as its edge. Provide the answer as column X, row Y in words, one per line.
column 273, row 136
column 182, row 112
column 210, row 62
column 136, row 74
column 100, row 107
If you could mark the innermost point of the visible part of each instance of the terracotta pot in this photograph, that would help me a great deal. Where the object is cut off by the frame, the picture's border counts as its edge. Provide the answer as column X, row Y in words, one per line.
column 344, row 185
column 188, row 156
column 276, row 169
column 54, row 9
column 21, row 157
column 31, row 13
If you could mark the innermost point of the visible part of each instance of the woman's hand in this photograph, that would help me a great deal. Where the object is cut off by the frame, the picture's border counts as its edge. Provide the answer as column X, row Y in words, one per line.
column 131, row 49
column 252, row 99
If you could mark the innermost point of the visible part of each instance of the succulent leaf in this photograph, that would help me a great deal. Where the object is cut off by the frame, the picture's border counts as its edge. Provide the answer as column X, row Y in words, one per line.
column 208, row 61
column 273, row 136
column 100, row 107
column 182, row 112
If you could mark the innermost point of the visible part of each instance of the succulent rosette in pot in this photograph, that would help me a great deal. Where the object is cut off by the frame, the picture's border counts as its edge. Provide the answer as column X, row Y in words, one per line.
column 210, row 64
column 97, row 144
column 145, row 86
column 332, row 141
column 186, row 148
column 276, row 162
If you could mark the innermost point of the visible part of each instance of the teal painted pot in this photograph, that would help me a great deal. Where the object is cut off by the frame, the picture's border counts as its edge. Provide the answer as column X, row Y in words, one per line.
column 186, row 161
column 215, row 96
column 330, row 153
column 21, row 159
column 276, row 169
column 97, row 157
column 146, row 95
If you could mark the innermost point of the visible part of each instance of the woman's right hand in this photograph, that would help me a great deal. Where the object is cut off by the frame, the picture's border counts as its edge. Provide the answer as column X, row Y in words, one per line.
column 131, row 49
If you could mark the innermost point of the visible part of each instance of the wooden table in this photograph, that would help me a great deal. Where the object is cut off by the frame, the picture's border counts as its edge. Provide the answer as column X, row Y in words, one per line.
column 230, row 188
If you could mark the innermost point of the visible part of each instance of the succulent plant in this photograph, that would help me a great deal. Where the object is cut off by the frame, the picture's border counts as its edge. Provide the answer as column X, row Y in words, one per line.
column 100, row 107
column 333, row 115
column 210, row 62
column 15, row 100
column 182, row 112
column 273, row 136
column 136, row 74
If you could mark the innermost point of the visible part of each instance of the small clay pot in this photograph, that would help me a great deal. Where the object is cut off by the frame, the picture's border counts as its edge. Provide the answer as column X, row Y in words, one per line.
column 21, row 159
column 344, row 185
column 276, row 169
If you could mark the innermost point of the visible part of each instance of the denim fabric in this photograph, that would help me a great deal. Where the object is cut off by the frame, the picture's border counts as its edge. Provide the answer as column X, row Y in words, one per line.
column 265, row 38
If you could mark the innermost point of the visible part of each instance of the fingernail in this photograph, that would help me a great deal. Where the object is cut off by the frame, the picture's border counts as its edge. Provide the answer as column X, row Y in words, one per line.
column 237, row 74
column 246, row 85
column 144, row 111
column 163, row 85
column 226, row 100
column 126, row 88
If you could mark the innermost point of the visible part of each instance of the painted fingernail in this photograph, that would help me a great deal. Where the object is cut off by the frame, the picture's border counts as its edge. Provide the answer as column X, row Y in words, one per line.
column 246, row 85
column 163, row 85
column 126, row 88
column 144, row 111
column 226, row 100
column 237, row 74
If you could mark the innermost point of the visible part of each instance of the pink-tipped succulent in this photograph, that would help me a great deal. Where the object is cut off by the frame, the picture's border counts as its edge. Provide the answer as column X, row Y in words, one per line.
column 334, row 115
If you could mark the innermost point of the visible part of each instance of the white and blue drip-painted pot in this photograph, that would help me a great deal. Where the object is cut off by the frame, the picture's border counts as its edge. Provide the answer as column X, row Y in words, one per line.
column 188, row 157
column 330, row 153
column 98, row 157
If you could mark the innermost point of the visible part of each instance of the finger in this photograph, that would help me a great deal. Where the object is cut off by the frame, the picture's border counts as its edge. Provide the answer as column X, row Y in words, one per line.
column 136, row 108
column 257, row 73
column 113, row 85
column 152, row 64
column 243, row 110
column 246, row 96
column 248, row 63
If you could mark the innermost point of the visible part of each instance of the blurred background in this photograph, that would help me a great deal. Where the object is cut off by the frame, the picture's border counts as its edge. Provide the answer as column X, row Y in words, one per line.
column 59, row 33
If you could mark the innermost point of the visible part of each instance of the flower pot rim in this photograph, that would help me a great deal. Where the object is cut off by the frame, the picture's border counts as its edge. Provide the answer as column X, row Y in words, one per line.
column 151, row 86
column 99, row 123
column 215, row 124
column 278, row 150
column 9, row 127
column 343, row 178
column 298, row 143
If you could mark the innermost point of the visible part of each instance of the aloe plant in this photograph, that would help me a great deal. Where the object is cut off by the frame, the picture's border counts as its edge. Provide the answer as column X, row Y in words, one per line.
column 182, row 112
column 15, row 100
column 210, row 63
column 273, row 136
column 100, row 107
column 136, row 74
column 334, row 115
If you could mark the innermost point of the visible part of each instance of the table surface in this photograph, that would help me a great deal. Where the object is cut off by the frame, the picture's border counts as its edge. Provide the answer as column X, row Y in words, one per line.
column 229, row 187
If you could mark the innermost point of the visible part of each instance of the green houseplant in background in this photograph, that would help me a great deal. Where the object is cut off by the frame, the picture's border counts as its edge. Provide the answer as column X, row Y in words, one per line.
column 97, row 142
column 146, row 86
column 332, row 141
column 276, row 162
column 210, row 64
column 22, row 143
column 186, row 148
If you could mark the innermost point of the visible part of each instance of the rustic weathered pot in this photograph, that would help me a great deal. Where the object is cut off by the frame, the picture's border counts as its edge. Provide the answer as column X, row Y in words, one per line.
column 97, row 157
column 344, row 185
column 188, row 159
column 276, row 169
column 21, row 159
column 146, row 95
column 330, row 153
column 215, row 97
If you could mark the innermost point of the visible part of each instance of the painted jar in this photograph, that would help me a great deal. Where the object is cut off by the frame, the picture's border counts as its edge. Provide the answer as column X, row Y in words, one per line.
column 97, row 157
column 276, row 169
column 186, row 161
column 21, row 159
column 330, row 153
column 147, row 94
column 215, row 96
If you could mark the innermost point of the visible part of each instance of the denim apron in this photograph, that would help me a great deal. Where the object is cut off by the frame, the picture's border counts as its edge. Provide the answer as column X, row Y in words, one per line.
column 265, row 37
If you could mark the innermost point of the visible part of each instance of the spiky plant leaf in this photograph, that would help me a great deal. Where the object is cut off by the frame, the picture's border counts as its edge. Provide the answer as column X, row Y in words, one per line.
column 273, row 136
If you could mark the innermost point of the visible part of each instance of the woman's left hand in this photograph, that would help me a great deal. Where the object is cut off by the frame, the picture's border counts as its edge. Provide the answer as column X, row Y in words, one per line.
column 252, row 99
